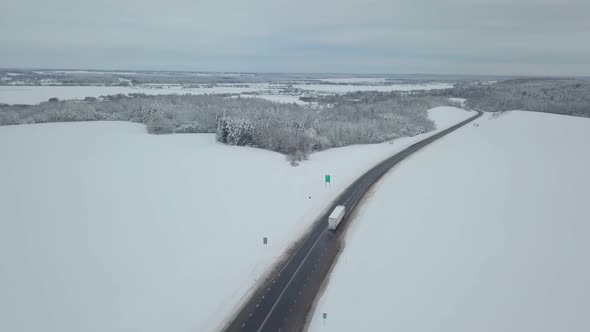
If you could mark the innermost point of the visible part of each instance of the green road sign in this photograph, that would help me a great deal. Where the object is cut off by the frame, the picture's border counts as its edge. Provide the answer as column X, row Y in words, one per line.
column 327, row 178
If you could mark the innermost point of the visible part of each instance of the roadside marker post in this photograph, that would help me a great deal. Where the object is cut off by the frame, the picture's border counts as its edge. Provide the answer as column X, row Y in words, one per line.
column 325, row 316
column 265, row 240
column 327, row 180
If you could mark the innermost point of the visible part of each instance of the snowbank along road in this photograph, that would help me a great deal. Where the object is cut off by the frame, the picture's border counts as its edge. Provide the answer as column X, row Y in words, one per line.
column 282, row 304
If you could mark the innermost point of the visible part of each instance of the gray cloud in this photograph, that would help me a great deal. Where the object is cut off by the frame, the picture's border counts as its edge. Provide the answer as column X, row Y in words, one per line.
column 528, row 37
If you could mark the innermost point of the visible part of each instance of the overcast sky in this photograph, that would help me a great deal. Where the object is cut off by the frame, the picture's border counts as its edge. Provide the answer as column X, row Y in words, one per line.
column 520, row 37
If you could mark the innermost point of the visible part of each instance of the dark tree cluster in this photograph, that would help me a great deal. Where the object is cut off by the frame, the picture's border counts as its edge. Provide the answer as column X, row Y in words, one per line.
column 287, row 128
column 560, row 96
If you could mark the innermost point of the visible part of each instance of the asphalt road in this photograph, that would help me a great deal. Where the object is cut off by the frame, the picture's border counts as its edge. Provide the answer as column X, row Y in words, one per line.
column 284, row 302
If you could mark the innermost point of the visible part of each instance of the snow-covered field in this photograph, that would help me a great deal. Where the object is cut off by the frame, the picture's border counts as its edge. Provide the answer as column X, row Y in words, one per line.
column 354, row 80
column 486, row 230
column 460, row 101
column 106, row 228
column 37, row 94
column 23, row 94
column 345, row 88
column 289, row 99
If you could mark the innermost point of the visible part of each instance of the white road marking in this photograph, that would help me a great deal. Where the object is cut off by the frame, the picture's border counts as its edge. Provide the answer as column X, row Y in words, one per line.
column 291, row 280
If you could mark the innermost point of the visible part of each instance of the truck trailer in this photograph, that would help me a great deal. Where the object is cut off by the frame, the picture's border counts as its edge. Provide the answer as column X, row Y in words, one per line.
column 336, row 217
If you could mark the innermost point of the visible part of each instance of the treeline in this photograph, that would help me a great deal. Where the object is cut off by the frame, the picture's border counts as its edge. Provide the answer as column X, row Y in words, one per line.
column 287, row 128
column 560, row 96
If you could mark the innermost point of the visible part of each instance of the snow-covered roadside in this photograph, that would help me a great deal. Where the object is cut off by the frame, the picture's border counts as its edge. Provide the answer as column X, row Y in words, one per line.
column 486, row 230
column 106, row 228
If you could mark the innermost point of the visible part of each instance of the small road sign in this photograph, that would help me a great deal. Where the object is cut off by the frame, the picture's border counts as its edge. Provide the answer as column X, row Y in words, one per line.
column 327, row 178
column 265, row 240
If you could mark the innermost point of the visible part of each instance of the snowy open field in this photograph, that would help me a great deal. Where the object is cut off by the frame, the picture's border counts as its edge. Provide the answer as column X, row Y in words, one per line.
column 36, row 94
column 289, row 99
column 345, row 88
column 486, row 230
column 25, row 94
column 106, row 228
column 355, row 80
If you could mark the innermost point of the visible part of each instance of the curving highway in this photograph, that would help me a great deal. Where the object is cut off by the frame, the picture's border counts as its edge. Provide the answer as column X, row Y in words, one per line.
column 284, row 301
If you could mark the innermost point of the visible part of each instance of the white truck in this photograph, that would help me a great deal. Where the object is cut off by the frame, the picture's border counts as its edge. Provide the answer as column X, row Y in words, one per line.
column 336, row 217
